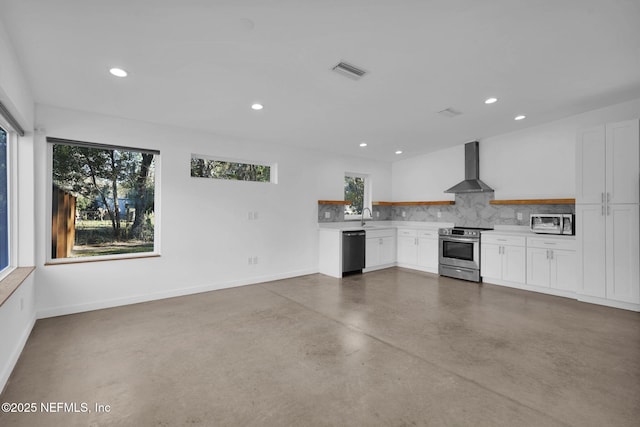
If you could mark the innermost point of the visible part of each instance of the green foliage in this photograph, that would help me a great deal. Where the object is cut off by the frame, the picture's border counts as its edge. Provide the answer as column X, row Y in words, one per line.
column 98, row 177
column 219, row 169
column 354, row 193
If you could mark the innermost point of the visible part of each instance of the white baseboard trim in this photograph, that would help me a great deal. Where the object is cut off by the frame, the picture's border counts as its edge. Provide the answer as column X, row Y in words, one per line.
column 15, row 355
column 609, row 303
column 171, row 293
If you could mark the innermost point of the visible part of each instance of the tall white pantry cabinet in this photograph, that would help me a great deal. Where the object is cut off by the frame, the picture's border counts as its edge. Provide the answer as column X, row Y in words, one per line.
column 607, row 214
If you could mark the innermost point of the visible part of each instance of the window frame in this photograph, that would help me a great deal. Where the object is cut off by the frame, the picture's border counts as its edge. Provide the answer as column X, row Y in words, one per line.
column 51, row 141
column 12, row 194
column 366, row 200
column 273, row 168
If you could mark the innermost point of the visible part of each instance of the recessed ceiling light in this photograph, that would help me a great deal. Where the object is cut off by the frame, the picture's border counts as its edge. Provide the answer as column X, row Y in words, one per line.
column 399, row 152
column 363, row 144
column 490, row 100
column 520, row 117
column 118, row 72
column 257, row 106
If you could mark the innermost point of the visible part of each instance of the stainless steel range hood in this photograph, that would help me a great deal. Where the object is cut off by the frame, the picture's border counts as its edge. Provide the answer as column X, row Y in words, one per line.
column 471, row 183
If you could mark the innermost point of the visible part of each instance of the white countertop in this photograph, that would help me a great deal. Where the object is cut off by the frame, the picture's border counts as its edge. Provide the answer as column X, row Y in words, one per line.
column 380, row 225
column 524, row 231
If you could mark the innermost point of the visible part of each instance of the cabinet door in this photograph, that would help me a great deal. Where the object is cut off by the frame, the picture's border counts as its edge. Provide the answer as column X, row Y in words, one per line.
column 407, row 252
column 623, row 162
column 563, row 270
column 590, row 165
column 513, row 263
column 538, row 267
column 623, row 255
column 428, row 253
column 387, row 250
column 590, row 236
column 491, row 261
column 372, row 252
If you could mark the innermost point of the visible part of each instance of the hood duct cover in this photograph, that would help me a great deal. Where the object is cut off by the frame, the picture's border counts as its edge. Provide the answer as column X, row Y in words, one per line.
column 471, row 183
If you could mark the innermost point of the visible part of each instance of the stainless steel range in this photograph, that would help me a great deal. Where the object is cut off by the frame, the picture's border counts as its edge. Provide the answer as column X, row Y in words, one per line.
column 459, row 252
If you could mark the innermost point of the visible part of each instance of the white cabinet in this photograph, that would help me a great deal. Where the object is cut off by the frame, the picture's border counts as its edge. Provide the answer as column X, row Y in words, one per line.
column 418, row 249
column 607, row 214
column 380, row 250
column 502, row 259
column 551, row 263
column 428, row 250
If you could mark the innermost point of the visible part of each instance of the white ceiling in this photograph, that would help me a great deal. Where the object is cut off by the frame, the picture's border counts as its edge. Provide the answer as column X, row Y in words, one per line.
column 200, row 64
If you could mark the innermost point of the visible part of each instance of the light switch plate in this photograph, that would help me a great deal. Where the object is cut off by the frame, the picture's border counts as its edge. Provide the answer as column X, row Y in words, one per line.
column 327, row 215
column 519, row 216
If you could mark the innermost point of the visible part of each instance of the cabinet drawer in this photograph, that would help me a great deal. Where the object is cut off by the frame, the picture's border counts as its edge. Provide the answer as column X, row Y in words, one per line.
column 503, row 239
column 547, row 243
column 404, row 232
column 429, row 234
column 387, row 232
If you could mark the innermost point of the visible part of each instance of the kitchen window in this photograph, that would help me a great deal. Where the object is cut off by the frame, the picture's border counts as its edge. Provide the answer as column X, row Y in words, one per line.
column 103, row 201
column 357, row 190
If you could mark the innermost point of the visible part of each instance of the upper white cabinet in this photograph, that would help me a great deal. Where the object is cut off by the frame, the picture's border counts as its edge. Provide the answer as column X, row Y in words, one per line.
column 607, row 214
column 607, row 164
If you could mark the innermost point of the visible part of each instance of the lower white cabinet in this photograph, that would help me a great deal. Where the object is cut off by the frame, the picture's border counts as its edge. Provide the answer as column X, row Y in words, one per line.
column 380, row 249
column 502, row 259
column 418, row 249
column 551, row 263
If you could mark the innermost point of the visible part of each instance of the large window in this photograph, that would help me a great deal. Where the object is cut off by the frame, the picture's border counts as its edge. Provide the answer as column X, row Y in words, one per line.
column 102, row 200
column 357, row 191
column 4, row 201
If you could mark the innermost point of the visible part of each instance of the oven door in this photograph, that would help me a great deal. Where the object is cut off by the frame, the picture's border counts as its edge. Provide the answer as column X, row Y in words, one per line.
column 460, row 251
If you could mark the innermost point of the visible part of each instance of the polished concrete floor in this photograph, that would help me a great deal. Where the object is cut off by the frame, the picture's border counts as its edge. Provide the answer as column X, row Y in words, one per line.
column 390, row 348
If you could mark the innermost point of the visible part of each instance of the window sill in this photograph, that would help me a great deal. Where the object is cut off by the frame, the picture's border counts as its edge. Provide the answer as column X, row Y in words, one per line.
column 12, row 281
column 67, row 261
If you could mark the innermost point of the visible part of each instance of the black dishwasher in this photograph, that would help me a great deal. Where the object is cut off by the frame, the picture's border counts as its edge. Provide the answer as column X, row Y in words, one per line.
column 353, row 243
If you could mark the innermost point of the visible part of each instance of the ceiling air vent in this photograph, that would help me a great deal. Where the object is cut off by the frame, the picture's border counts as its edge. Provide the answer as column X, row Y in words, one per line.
column 449, row 112
column 349, row 70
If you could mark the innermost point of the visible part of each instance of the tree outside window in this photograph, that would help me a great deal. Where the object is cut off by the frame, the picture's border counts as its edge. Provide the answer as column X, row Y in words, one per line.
column 356, row 191
column 102, row 200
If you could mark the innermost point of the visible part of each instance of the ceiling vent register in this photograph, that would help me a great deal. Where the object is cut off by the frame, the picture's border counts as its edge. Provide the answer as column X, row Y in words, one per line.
column 349, row 70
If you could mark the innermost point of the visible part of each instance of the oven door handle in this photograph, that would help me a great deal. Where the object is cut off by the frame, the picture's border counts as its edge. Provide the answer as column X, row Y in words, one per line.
column 461, row 239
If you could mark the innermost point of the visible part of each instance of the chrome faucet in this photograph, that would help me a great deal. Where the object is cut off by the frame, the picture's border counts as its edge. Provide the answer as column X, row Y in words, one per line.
column 362, row 219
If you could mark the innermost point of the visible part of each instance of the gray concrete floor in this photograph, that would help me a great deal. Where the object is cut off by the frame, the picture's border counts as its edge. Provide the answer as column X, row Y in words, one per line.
column 389, row 348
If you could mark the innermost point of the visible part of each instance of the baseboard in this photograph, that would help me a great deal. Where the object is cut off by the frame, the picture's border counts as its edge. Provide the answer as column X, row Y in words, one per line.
column 172, row 293
column 17, row 351
column 609, row 303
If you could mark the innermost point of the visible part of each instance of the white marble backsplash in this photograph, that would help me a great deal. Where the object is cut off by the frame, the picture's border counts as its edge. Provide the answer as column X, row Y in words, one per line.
column 470, row 209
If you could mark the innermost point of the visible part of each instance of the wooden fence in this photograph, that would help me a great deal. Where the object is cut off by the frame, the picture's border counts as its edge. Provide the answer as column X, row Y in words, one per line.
column 63, row 223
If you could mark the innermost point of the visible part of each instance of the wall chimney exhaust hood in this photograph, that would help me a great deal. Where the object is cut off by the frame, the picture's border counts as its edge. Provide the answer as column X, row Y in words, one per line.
column 471, row 183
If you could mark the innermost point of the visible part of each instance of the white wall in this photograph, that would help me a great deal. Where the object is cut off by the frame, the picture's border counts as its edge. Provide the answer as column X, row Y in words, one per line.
column 17, row 314
column 206, row 237
column 536, row 162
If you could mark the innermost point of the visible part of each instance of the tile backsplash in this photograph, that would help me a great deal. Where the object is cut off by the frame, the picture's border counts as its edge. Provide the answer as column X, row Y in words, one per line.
column 470, row 209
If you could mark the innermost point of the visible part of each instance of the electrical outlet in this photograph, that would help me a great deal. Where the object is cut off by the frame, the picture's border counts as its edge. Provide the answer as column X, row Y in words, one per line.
column 439, row 214
column 250, row 261
column 519, row 216
column 255, row 260
column 377, row 214
column 404, row 214
column 327, row 215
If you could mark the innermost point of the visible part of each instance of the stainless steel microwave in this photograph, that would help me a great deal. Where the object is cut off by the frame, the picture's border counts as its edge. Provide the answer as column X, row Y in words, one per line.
column 552, row 223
